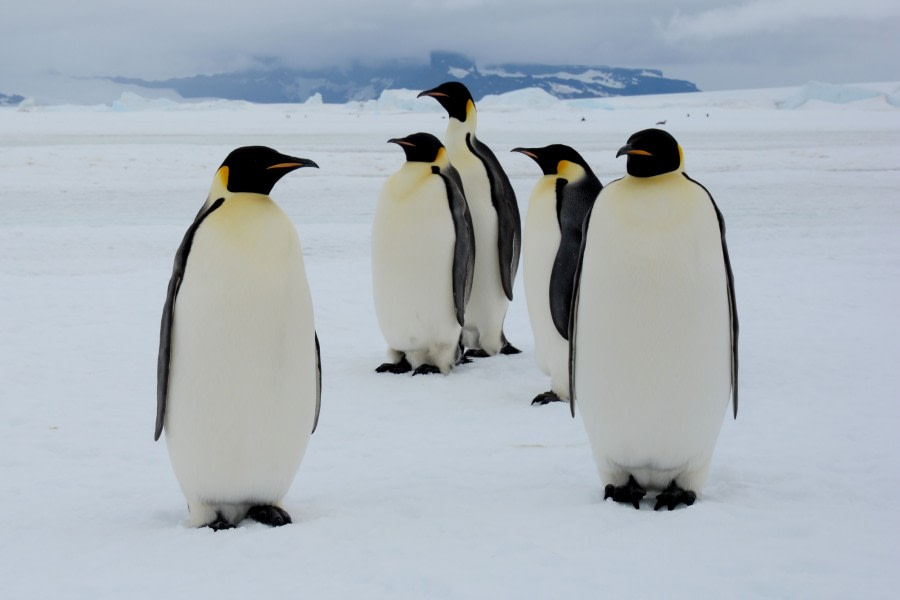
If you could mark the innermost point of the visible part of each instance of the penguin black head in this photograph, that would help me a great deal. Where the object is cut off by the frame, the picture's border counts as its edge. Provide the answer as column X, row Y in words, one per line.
column 651, row 152
column 454, row 97
column 419, row 147
column 549, row 157
column 256, row 169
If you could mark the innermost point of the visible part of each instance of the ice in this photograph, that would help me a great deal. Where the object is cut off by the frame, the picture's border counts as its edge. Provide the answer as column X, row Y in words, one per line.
column 449, row 487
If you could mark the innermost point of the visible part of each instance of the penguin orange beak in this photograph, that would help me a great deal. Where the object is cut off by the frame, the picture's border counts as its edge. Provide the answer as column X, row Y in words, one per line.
column 433, row 94
column 526, row 151
column 401, row 142
column 293, row 163
column 627, row 149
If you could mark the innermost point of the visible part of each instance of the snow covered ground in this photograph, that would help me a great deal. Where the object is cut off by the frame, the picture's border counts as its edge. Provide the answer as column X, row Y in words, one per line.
column 450, row 487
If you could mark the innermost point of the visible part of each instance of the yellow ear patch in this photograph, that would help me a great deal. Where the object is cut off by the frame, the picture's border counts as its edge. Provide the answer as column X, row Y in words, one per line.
column 569, row 170
column 441, row 156
column 470, row 108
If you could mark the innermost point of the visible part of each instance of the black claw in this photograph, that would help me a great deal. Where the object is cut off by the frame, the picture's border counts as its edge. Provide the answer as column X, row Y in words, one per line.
column 426, row 369
column 220, row 523
column 269, row 515
column 476, row 353
column 630, row 493
column 463, row 360
column 546, row 398
column 673, row 495
column 396, row 368
column 509, row 349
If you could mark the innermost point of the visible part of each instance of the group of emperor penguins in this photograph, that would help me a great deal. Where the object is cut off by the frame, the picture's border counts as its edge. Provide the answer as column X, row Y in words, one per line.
column 629, row 290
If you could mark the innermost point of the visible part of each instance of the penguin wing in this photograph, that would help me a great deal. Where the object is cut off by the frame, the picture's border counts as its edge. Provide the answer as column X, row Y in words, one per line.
column 572, row 325
column 503, row 198
column 318, row 383
column 732, row 306
column 574, row 202
column 168, row 316
column 464, row 246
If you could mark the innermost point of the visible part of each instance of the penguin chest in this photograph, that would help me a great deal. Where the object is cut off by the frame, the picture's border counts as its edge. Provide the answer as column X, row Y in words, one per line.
column 653, row 330
column 242, row 381
column 540, row 244
column 413, row 241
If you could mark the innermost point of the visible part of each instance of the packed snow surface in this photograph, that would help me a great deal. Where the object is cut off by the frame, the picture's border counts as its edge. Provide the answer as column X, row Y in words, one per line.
column 449, row 487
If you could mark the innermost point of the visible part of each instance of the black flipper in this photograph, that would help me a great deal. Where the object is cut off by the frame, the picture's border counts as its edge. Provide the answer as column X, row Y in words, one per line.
column 168, row 316
column 673, row 495
column 269, row 515
column 573, row 311
column 318, row 384
column 464, row 246
column 630, row 493
column 503, row 198
column 732, row 306
column 574, row 201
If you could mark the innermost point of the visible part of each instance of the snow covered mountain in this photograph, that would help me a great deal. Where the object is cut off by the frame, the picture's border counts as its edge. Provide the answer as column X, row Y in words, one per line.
column 366, row 81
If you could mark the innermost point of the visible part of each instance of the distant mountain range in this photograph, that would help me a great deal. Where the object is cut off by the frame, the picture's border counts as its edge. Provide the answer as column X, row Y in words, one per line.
column 361, row 82
column 13, row 100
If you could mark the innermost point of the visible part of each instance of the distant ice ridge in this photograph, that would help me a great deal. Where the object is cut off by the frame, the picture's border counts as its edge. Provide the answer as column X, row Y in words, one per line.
column 875, row 96
column 830, row 93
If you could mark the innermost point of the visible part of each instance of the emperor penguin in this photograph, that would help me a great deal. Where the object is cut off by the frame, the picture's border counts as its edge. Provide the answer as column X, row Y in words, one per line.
column 654, row 333
column 552, row 241
column 239, row 374
column 423, row 257
column 495, row 215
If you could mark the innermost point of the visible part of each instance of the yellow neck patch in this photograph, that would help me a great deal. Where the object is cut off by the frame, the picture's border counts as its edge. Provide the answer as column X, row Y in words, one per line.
column 569, row 170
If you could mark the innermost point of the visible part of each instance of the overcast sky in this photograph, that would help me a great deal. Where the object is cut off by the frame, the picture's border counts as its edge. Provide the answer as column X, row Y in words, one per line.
column 718, row 45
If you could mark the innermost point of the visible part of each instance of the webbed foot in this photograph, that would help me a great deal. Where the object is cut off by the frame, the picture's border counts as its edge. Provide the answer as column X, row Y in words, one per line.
column 269, row 515
column 396, row 368
column 509, row 349
column 630, row 493
column 426, row 369
column 673, row 495
column 219, row 523
column 546, row 398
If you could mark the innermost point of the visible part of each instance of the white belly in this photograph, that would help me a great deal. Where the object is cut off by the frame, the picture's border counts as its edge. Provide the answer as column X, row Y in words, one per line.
column 413, row 241
column 653, row 334
column 242, row 392
column 540, row 245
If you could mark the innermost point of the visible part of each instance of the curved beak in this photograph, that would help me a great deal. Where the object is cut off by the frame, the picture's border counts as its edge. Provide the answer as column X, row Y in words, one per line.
column 291, row 163
column 529, row 152
column 433, row 93
column 629, row 149
column 401, row 142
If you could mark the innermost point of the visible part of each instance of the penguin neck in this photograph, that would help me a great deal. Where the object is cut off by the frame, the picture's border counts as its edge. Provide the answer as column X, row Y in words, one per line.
column 458, row 131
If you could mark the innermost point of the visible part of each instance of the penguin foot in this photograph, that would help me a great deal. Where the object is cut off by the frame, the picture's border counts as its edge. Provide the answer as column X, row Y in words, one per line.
column 425, row 369
column 509, row 349
column 546, row 398
column 396, row 368
column 269, row 515
column 219, row 523
column 475, row 353
column 672, row 496
column 630, row 493
column 463, row 359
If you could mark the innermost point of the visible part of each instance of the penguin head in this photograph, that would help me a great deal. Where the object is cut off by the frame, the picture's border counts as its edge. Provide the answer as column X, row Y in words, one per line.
column 652, row 152
column 454, row 97
column 256, row 169
column 420, row 147
column 556, row 159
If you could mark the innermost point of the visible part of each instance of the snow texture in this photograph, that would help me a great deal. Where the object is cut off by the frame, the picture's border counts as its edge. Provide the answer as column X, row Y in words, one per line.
column 449, row 487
